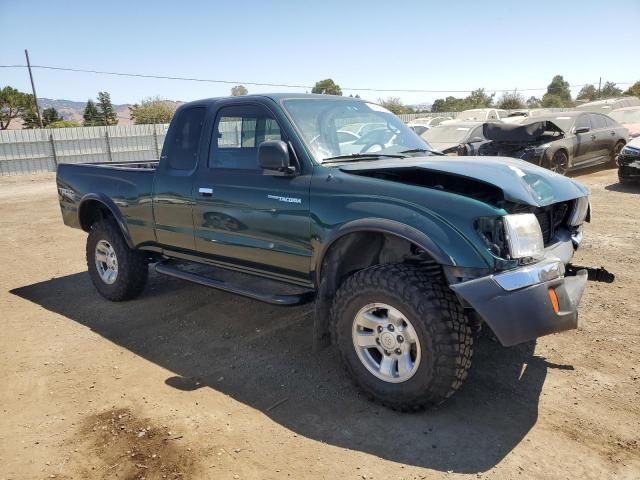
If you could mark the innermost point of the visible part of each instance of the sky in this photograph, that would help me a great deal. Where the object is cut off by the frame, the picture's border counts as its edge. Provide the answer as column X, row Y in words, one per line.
column 401, row 45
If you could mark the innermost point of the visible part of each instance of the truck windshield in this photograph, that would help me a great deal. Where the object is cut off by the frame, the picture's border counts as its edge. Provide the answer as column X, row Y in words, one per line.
column 371, row 128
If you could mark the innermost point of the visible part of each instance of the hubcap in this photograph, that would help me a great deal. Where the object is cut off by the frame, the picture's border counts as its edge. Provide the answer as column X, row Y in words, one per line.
column 386, row 342
column 106, row 262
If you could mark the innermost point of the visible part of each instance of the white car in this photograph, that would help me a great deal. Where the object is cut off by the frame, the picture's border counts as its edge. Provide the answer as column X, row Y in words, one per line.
column 421, row 125
column 478, row 115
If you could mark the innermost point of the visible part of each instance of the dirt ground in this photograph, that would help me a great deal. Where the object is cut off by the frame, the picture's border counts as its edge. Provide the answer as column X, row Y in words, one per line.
column 188, row 382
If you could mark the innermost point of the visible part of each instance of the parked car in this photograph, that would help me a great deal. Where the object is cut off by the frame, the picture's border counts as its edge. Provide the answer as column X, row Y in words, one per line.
column 460, row 138
column 477, row 115
column 610, row 104
column 628, row 117
column 629, row 162
column 558, row 142
column 405, row 251
column 421, row 125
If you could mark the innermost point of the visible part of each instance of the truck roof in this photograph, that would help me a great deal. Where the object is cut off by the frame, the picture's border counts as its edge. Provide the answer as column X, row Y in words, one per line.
column 275, row 97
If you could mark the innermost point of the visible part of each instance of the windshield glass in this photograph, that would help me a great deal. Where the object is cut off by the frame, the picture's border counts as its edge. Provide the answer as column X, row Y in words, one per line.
column 626, row 116
column 446, row 134
column 376, row 130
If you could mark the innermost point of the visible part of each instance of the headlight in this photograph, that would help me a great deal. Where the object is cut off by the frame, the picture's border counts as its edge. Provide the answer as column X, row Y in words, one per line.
column 580, row 209
column 524, row 235
column 630, row 151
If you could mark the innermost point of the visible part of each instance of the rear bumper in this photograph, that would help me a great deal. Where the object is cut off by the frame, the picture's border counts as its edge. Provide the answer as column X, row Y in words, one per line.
column 517, row 304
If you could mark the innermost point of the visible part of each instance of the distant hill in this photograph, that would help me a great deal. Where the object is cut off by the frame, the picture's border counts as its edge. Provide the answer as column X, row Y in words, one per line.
column 72, row 111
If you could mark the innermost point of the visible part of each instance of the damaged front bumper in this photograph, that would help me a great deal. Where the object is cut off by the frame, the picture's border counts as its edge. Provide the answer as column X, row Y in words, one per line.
column 528, row 302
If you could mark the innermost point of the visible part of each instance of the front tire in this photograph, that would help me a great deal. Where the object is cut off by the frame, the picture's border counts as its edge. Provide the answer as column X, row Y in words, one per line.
column 402, row 335
column 559, row 162
column 118, row 272
column 614, row 154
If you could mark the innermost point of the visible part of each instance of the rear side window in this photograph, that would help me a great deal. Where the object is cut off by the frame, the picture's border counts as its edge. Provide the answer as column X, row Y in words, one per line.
column 598, row 121
column 238, row 133
column 183, row 151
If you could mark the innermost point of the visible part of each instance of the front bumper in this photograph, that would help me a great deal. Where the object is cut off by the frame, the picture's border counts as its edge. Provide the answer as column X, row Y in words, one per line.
column 517, row 304
column 629, row 167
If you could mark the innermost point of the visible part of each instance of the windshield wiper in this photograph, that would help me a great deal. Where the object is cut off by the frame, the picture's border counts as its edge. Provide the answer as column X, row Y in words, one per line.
column 422, row 150
column 354, row 157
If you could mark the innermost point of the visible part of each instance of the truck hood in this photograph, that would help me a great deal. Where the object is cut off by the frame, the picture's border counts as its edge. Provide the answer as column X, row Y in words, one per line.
column 519, row 181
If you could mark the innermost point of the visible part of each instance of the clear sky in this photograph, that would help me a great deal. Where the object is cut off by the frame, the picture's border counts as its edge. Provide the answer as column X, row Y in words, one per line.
column 442, row 45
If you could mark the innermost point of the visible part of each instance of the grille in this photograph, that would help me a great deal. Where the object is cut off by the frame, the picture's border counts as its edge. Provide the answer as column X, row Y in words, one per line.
column 552, row 217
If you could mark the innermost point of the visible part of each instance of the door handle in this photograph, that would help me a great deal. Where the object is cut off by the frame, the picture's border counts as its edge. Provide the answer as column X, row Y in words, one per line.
column 205, row 192
column 613, row 133
column 593, row 137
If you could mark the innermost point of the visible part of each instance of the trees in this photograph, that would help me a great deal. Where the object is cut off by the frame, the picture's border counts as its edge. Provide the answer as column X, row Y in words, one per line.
column 558, row 93
column 13, row 104
column 511, row 101
column 50, row 115
column 448, row 104
column 152, row 110
column 30, row 118
column 327, row 87
column 588, row 93
column 633, row 90
column 63, row 124
column 105, row 109
column 91, row 115
column 239, row 91
column 610, row 90
column 476, row 99
column 533, row 102
column 394, row 105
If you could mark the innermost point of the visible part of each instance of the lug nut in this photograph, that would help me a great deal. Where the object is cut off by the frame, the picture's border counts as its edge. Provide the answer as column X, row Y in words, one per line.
column 386, row 352
column 398, row 351
column 379, row 328
column 400, row 339
column 390, row 328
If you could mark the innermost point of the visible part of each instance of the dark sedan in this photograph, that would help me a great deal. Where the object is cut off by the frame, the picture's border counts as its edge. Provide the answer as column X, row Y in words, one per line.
column 629, row 162
column 558, row 142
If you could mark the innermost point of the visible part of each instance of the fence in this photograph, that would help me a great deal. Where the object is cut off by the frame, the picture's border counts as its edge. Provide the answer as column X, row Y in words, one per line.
column 40, row 150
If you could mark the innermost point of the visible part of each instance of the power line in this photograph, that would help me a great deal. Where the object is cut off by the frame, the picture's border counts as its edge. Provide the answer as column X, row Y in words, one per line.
column 260, row 84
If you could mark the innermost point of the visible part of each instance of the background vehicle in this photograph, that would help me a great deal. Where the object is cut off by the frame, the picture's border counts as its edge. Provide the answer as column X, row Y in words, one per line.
column 629, row 162
column 610, row 104
column 421, row 125
column 559, row 142
column 459, row 138
column 478, row 115
column 405, row 251
column 628, row 117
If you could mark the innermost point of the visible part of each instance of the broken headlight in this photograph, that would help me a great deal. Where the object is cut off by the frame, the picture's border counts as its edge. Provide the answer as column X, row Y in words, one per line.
column 580, row 209
column 517, row 236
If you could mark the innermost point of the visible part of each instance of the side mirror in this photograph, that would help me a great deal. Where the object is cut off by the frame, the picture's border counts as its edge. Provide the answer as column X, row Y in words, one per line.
column 582, row 130
column 476, row 140
column 273, row 158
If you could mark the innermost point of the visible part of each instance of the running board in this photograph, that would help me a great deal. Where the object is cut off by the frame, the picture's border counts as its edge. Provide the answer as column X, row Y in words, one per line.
column 251, row 286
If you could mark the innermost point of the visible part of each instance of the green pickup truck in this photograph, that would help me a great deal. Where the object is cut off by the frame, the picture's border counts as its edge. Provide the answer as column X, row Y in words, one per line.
column 291, row 198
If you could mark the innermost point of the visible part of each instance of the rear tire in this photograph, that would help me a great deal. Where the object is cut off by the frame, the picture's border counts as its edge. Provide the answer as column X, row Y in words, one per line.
column 423, row 310
column 118, row 272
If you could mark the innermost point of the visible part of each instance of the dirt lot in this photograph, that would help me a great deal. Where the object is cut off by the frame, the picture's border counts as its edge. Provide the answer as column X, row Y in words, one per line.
column 189, row 382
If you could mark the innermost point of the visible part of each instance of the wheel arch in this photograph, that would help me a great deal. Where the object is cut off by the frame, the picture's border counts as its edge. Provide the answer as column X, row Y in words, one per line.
column 94, row 207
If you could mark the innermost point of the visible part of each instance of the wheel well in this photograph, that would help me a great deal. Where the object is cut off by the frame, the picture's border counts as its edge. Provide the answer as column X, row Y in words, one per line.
column 350, row 253
column 92, row 211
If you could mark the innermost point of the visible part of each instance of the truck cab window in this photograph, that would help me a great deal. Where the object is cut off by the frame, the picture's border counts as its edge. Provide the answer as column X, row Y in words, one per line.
column 183, row 151
column 238, row 133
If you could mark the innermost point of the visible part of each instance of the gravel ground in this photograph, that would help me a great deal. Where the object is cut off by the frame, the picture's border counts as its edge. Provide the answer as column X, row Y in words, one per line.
column 189, row 382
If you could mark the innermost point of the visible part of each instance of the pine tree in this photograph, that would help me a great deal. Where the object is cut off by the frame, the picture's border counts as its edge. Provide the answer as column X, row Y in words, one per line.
column 105, row 109
column 50, row 115
column 91, row 115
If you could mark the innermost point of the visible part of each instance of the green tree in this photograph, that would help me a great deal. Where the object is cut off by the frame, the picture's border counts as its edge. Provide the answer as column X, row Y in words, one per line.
column 448, row 104
column 558, row 93
column 327, row 87
column 105, row 109
column 50, row 115
column 394, row 105
column 239, row 91
column 533, row 102
column 30, row 119
column 91, row 116
column 511, row 101
column 63, row 124
column 610, row 90
column 152, row 110
column 13, row 104
column 478, row 99
column 633, row 90
column 588, row 93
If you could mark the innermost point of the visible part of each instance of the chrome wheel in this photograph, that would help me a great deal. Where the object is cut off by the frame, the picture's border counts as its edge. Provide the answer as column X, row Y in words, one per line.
column 106, row 262
column 386, row 342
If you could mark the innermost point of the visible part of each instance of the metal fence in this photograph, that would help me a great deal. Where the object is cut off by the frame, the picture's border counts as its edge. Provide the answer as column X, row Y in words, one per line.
column 40, row 150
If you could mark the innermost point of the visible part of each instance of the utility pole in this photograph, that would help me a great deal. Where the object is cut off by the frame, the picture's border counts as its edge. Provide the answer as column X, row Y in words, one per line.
column 33, row 87
column 599, row 86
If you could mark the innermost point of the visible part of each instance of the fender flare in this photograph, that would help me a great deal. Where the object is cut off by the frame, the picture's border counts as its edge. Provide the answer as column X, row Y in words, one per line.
column 382, row 225
column 112, row 207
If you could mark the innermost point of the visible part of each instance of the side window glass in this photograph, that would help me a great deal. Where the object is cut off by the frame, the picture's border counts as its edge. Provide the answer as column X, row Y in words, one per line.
column 238, row 133
column 583, row 121
column 598, row 121
column 183, row 151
